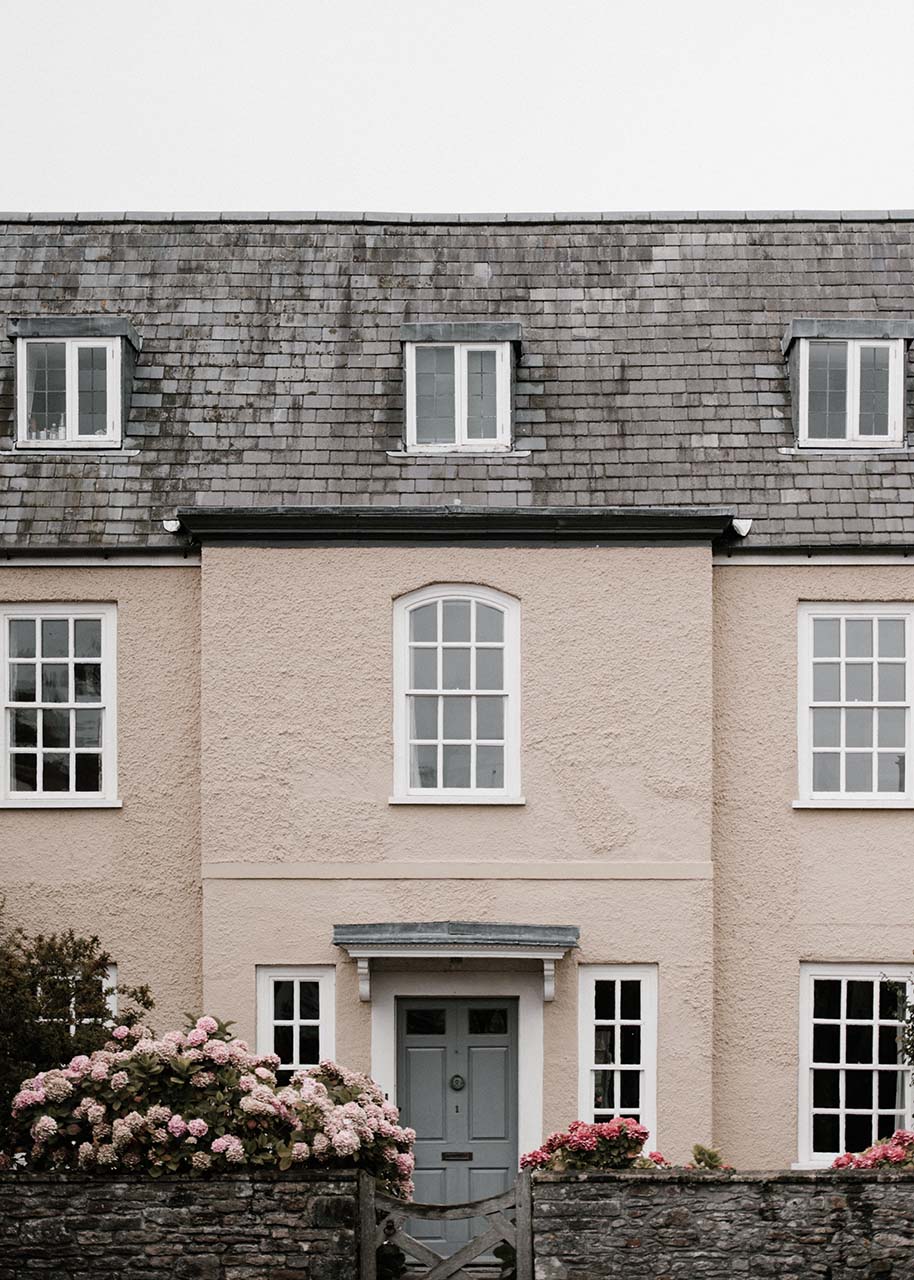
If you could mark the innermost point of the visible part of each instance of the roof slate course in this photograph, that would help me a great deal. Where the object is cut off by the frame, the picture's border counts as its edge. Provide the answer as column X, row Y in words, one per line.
column 649, row 374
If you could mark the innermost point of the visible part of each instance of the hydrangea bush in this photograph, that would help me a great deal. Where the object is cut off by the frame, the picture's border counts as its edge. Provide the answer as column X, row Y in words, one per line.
column 612, row 1144
column 198, row 1101
column 897, row 1150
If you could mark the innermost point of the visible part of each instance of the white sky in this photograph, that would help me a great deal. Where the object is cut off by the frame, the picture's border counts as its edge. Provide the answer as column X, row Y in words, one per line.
column 465, row 105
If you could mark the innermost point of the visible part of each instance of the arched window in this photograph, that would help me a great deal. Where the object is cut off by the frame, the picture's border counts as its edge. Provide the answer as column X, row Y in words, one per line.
column 457, row 696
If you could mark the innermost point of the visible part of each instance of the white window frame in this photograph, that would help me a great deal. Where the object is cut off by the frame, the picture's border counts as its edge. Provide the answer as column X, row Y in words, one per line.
column 325, row 977
column 854, row 440
column 108, row 796
column 72, row 440
column 461, row 442
column 403, row 793
column 588, row 976
column 807, row 1159
column 808, row 798
column 110, row 990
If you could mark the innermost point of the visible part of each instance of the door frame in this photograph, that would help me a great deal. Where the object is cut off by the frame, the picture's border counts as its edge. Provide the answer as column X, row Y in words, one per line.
column 526, row 988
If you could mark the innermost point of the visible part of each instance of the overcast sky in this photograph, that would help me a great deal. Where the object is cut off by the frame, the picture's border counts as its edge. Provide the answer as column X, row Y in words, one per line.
column 465, row 105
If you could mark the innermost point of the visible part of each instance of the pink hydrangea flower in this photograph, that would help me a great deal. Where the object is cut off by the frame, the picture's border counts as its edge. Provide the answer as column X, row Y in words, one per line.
column 196, row 1037
column 121, row 1033
column 300, row 1151
column 177, row 1126
column 198, row 1128
column 207, row 1024
column 119, row 1080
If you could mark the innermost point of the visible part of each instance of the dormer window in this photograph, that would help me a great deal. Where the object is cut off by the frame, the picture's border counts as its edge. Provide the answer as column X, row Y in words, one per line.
column 458, row 387
column 847, row 379
column 73, row 378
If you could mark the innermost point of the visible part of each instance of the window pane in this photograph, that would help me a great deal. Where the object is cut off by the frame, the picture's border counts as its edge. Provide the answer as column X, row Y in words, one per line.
column 22, row 682
column 55, row 771
column 859, row 1044
column 859, row 999
column 858, row 727
column 826, row 771
column 858, row 682
column 23, row 728
column 455, row 669
column 890, row 1089
column 87, row 638
column 309, row 999
column 825, row 1134
column 603, row 1091
column 23, row 771
column 826, row 998
column 88, row 728
column 891, row 727
column 826, row 637
column 423, row 718
column 456, row 620
column 490, row 668
column 889, row 1048
column 88, row 771
column 858, row 771
column 55, row 683
column 891, row 638
column 631, row 1044
column 490, row 624
column 858, row 1132
column 858, row 1089
column 631, row 999
column 490, row 717
column 56, row 728
column 826, row 682
column 435, row 395
column 456, row 766
column 604, row 1000
column 488, row 1022
column 92, row 374
column 87, row 678
column 481, row 396
column 891, row 771
column 423, row 766
column 424, row 668
column 457, row 718
column 826, row 727
column 308, row 1046
column 629, row 1090
column 825, row 1088
column 874, row 391
column 892, row 1000
column 282, row 1043
column 826, row 1043
column 46, row 391
column 490, row 772
column 423, row 623
column 604, row 1045
column 425, row 1022
column 827, row 405
column 891, row 682
column 22, row 638
column 283, row 1001
column 859, row 638
column 55, row 638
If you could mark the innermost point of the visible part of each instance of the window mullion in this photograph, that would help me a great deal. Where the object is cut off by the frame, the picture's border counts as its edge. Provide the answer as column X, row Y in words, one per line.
column 460, row 396
column 71, row 382
column 854, row 350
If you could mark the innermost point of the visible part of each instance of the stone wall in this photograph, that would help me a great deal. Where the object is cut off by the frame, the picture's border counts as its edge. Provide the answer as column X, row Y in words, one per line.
column 296, row 1226
column 674, row 1226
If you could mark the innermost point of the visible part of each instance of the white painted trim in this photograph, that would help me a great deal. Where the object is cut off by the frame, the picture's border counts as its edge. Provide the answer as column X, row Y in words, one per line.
column 595, row 871
column 807, row 612
column 113, row 394
column 588, row 974
column 107, row 798
column 527, row 988
column 809, row 970
column 462, row 443
column 511, row 642
column 324, row 974
column 166, row 560
column 854, row 440
column 753, row 559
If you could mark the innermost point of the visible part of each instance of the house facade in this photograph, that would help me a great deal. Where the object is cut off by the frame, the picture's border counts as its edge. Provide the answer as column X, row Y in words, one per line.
column 477, row 649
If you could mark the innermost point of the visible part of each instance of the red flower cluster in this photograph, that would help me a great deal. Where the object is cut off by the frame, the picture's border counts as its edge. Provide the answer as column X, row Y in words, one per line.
column 899, row 1149
column 613, row 1144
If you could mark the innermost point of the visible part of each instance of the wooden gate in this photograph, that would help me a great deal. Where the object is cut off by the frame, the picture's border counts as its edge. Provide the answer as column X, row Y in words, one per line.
column 507, row 1218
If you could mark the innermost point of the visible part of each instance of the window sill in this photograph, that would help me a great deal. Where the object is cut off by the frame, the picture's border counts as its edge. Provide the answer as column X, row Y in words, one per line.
column 64, row 802
column 449, row 455
column 65, row 451
column 846, row 451
column 861, row 802
column 810, row 1166
column 474, row 799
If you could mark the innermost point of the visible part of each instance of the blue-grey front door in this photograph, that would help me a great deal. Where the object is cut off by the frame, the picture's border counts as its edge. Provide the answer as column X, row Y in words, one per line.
column 457, row 1087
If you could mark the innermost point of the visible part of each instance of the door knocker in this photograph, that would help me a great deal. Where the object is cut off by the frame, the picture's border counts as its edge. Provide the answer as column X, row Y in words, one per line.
column 458, row 1083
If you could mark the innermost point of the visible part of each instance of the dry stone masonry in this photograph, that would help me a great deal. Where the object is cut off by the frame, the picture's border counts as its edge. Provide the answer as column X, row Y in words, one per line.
column 671, row 1226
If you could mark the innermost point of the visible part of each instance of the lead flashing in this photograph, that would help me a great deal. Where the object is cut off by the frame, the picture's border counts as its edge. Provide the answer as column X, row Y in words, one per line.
column 465, row 331
column 864, row 327
column 103, row 326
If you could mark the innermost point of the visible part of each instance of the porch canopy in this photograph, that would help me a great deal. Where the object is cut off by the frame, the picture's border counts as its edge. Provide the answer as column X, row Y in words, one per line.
column 453, row 939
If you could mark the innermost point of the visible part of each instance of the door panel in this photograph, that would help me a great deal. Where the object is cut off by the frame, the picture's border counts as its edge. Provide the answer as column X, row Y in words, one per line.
column 457, row 1087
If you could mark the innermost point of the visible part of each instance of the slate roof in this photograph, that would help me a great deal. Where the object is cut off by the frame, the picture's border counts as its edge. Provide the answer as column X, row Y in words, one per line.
column 271, row 371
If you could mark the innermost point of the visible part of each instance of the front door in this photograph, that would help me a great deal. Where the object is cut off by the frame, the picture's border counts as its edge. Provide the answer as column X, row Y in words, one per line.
column 457, row 1087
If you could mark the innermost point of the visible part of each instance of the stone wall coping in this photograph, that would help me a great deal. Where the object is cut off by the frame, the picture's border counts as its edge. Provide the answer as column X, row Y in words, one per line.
column 700, row 1176
column 13, row 1177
